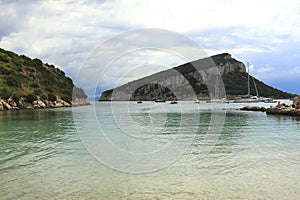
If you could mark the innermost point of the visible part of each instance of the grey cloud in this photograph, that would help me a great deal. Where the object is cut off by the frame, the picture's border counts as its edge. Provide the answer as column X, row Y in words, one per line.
column 14, row 14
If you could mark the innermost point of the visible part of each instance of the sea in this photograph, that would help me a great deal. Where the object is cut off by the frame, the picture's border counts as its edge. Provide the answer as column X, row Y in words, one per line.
column 126, row 150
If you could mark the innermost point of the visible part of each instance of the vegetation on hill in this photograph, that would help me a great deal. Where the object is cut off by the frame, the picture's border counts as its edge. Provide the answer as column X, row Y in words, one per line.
column 21, row 76
column 236, row 83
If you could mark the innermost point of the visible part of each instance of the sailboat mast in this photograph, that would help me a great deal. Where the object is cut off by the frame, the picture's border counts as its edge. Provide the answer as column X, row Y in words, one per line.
column 248, row 79
column 257, row 94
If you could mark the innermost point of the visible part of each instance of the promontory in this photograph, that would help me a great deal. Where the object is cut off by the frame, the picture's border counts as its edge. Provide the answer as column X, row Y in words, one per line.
column 27, row 83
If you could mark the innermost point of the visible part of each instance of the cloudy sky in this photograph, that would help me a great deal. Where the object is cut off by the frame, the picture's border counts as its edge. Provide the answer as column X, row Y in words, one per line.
column 64, row 33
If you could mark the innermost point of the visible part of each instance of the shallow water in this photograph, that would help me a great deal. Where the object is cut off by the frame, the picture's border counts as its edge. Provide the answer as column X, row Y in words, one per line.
column 254, row 157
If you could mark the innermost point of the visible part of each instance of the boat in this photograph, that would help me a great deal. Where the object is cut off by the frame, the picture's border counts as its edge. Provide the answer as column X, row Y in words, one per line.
column 173, row 102
column 139, row 102
column 269, row 100
column 218, row 101
column 248, row 98
column 197, row 101
column 252, row 99
column 160, row 101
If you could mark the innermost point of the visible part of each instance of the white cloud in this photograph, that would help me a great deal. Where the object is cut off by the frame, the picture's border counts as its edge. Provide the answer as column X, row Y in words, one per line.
column 263, row 70
column 64, row 32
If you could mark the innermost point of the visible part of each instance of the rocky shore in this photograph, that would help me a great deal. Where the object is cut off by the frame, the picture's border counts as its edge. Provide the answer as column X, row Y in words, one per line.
column 10, row 104
column 290, row 110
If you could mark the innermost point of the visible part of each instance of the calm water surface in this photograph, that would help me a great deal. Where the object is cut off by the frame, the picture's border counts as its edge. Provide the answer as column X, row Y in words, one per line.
column 256, row 156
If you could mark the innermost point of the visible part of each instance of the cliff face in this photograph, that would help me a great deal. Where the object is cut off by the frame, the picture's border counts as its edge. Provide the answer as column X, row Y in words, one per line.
column 198, row 79
column 27, row 83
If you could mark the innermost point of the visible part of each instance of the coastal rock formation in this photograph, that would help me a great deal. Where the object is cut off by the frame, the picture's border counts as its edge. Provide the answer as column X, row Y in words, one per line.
column 39, row 104
column 283, row 111
column 288, row 110
column 208, row 78
column 254, row 108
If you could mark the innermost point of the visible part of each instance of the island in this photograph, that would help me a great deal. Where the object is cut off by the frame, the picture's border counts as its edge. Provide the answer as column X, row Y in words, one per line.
column 195, row 75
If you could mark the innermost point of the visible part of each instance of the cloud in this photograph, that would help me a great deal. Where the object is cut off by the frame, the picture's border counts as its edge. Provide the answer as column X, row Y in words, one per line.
column 65, row 32
column 263, row 70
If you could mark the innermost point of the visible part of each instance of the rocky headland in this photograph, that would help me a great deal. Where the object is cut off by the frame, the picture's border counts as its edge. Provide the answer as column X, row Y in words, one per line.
column 27, row 83
column 194, row 80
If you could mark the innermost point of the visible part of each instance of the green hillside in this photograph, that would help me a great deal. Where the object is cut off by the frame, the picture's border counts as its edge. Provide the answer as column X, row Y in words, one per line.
column 236, row 84
column 31, row 79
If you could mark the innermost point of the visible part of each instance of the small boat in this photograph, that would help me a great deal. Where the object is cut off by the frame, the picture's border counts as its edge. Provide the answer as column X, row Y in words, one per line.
column 247, row 100
column 218, row 101
column 139, row 102
column 173, row 102
column 160, row 101
column 269, row 100
column 197, row 101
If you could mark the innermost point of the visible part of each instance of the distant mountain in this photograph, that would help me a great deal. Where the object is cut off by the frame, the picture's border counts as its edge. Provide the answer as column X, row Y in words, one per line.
column 29, row 83
column 193, row 77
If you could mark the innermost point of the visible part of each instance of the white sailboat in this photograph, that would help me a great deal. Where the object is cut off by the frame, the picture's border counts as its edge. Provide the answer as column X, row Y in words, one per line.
column 248, row 98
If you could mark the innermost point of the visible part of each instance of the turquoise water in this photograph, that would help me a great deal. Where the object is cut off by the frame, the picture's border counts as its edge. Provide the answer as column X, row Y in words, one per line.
column 254, row 157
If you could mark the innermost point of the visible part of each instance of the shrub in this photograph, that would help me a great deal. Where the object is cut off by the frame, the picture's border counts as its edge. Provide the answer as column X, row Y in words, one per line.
column 5, row 93
column 49, row 89
column 51, row 97
column 34, row 85
column 4, row 71
column 13, row 81
column 44, row 97
column 37, row 62
column 31, row 97
column 66, row 98
column 37, row 92
column 16, row 96
column 3, row 58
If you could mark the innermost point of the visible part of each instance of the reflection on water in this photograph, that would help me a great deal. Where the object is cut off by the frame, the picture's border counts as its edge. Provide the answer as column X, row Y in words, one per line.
column 27, row 137
column 256, row 156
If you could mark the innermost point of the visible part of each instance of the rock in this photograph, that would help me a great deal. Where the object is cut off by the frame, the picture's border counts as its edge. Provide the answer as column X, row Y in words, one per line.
column 21, row 103
column 296, row 100
column 254, row 108
column 6, row 106
column 49, row 104
column 29, row 107
column 1, row 105
column 283, row 111
column 64, row 103
column 39, row 104
column 12, row 102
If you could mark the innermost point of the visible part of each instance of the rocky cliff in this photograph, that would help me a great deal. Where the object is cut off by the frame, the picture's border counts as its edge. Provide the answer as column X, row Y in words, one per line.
column 199, row 79
column 27, row 83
